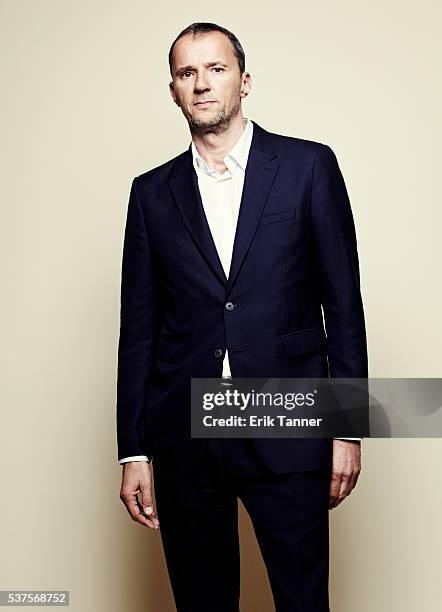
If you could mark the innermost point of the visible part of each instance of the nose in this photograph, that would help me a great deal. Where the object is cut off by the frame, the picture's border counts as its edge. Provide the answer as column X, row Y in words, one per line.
column 201, row 82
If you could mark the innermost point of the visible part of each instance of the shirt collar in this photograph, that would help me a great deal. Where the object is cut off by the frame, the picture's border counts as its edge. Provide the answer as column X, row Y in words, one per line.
column 237, row 156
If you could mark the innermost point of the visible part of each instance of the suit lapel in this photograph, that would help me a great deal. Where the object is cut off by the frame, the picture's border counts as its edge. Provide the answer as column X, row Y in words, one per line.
column 261, row 170
column 184, row 186
column 262, row 167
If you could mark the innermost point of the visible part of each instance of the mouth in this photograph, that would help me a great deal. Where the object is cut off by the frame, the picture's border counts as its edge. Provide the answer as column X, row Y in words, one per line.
column 205, row 102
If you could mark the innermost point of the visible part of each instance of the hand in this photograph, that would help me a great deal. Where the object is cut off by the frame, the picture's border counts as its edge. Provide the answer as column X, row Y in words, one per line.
column 137, row 478
column 345, row 471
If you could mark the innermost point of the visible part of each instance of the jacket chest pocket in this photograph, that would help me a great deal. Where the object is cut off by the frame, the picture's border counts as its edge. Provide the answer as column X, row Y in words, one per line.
column 277, row 216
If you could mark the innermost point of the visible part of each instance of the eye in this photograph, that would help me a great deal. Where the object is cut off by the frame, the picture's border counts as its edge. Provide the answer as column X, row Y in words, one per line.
column 219, row 68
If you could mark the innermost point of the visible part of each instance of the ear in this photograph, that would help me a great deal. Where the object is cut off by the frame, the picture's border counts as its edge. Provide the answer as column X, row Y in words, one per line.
column 172, row 92
column 246, row 84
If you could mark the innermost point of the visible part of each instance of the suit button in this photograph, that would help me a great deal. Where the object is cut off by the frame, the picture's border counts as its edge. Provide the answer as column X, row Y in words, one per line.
column 217, row 352
column 229, row 306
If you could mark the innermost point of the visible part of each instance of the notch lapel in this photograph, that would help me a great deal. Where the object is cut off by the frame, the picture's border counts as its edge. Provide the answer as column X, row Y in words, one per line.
column 262, row 167
column 261, row 170
column 184, row 187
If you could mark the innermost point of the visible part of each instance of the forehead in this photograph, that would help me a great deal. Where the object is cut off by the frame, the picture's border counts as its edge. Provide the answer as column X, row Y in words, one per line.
column 191, row 49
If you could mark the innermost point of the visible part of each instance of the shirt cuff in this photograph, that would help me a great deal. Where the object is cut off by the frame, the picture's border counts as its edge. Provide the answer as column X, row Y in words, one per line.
column 136, row 458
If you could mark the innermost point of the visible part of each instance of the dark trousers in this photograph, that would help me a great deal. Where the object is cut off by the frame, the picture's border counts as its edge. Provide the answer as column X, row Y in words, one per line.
column 199, row 529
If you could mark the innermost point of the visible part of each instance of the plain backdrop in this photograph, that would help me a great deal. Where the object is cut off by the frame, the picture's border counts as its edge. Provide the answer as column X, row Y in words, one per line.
column 85, row 108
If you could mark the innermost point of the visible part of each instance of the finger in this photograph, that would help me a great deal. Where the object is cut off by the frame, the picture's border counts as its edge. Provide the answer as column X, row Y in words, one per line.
column 356, row 479
column 344, row 489
column 147, row 502
column 336, row 502
column 338, row 490
column 150, row 515
column 335, row 485
column 132, row 506
column 353, row 479
column 351, row 482
column 344, row 492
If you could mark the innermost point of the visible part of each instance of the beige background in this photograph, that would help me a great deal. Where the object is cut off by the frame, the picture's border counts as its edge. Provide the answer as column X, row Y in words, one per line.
column 86, row 107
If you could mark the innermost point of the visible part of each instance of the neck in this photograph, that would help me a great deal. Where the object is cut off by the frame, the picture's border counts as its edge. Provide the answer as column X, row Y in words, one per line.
column 213, row 147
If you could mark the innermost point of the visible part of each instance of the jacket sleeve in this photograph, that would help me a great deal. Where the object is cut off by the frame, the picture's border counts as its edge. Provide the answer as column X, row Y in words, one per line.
column 337, row 262
column 338, row 268
column 138, row 324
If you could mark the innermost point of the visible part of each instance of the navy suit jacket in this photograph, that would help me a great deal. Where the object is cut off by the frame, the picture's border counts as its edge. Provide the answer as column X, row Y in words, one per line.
column 294, row 254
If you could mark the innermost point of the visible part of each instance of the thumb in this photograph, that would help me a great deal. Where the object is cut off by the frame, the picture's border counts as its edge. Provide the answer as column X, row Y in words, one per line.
column 146, row 498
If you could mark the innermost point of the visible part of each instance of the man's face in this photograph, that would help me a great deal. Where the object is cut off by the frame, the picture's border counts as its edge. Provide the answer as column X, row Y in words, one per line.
column 207, row 84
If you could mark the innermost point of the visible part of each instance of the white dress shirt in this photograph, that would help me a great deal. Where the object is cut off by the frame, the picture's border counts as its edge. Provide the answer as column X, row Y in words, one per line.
column 221, row 198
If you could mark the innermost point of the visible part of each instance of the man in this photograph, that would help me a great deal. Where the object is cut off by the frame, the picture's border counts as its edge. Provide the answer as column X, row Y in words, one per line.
column 233, row 252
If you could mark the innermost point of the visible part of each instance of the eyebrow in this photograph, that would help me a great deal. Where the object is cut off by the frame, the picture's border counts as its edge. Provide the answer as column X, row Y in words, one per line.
column 207, row 65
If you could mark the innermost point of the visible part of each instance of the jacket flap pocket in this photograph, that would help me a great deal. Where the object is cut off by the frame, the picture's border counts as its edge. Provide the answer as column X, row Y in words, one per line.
column 304, row 341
